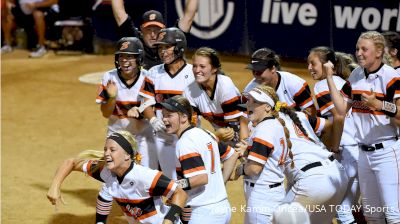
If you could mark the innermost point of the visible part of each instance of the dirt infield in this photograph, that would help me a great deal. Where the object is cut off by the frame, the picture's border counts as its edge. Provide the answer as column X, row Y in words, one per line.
column 48, row 115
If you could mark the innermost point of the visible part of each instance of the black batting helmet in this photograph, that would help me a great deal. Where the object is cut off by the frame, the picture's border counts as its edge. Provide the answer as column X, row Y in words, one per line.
column 129, row 45
column 173, row 36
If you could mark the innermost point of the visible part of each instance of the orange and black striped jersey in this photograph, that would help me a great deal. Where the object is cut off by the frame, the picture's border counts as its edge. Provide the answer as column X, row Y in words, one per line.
column 373, row 126
column 268, row 147
column 221, row 106
column 290, row 89
column 139, row 192
column 325, row 105
column 198, row 152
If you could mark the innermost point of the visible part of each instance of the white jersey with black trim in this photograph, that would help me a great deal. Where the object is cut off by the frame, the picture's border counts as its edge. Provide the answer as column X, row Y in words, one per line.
column 325, row 104
column 304, row 150
column 373, row 126
column 290, row 89
column 198, row 153
column 127, row 97
column 161, row 85
column 139, row 192
column 268, row 147
column 221, row 106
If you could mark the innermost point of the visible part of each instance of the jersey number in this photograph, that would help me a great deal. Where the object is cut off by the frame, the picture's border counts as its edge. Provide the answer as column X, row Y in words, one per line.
column 211, row 149
column 283, row 155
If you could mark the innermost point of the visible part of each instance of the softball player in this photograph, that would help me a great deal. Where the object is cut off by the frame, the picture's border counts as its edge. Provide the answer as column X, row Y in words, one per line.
column 120, row 100
column 263, row 169
column 197, row 159
column 163, row 82
column 290, row 88
column 375, row 94
column 152, row 23
column 393, row 48
column 136, row 189
column 348, row 148
column 310, row 163
column 216, row 97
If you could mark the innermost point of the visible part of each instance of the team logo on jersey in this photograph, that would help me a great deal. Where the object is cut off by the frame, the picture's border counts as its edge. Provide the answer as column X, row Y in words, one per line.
column 134, row 211
column 124, row 45
column 209, row 24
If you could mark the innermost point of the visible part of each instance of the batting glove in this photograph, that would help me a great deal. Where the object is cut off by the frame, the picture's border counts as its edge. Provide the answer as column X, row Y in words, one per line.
column 157, row 124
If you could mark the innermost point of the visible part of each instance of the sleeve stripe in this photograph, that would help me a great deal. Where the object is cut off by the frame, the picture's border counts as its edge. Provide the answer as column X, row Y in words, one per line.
column 174, row 92
column 317, row 124
column 169, row 188
column 263, row 158
column 367, row 92
column 306, row 101
column 265, row 143
column 194, row 170
column 322, row 94
column 237, row 98
column 147, row 215
column 325, row 106
column 147, row 93
column 392, row 82
column 190, row 155
column 154, row 183
column 301, row 90
column 146, row 79
column 228, row 149
column 236, row 112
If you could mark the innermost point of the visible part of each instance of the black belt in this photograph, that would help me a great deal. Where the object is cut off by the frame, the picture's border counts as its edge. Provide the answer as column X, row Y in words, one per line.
column 270, row 186
column 370, row 148
column 315, row 164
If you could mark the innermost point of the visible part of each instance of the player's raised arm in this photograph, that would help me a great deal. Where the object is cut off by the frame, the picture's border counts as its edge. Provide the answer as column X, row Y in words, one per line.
column 119, row 12
column 185, row 23
column 338, row 100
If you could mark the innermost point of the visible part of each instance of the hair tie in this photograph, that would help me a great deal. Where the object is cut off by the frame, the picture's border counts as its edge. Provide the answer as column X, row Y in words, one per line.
column 280, row 105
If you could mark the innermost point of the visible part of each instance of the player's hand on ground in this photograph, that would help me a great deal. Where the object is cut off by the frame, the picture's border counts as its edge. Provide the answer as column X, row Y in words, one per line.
column 225, row 134
column 111, row 89
column 133, row 112
column 55, row 197
column 157, row 124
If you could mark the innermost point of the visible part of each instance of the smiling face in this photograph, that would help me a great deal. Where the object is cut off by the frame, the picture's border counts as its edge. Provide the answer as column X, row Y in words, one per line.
column 150, row 35
column 166, row 53
column 257, row 111
column 171, row 121
column 368, row 55
column 315, row 66
column 266, row 77
column 117, row 159
column 202, row 69
column 128, row 65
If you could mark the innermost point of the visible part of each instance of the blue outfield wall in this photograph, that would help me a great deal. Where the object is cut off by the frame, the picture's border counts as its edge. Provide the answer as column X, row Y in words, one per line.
column 291, row 28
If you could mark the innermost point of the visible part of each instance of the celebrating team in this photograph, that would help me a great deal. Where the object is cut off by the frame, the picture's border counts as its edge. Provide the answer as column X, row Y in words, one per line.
column 154, row 125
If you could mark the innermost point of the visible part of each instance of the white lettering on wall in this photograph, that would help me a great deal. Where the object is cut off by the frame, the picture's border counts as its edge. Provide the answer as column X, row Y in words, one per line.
column 276, row 11
column 347, row 17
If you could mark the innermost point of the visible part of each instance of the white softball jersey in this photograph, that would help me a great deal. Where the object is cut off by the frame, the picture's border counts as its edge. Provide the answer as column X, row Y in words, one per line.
column 304, row 151
column 373, row 126
column 325, row 104
column 139, row 192
column 198, row 152
column 270, row 150
column 290, row 89
column 127, row 97
column 161, row 85
column 221, row 106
